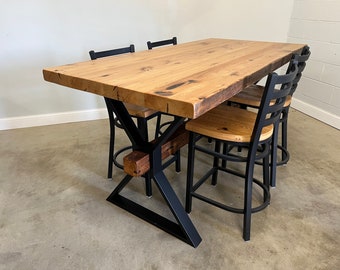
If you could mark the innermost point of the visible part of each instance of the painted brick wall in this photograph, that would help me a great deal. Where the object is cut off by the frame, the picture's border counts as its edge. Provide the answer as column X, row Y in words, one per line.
column 317, row 23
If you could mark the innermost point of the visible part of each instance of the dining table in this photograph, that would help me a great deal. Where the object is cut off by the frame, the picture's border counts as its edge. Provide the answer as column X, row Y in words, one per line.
column 184, row 81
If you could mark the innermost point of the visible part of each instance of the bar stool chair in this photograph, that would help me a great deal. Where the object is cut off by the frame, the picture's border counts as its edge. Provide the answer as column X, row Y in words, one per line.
column 251, row 97
column 151, row 45
column 237, row 127
column 142, row 115
column 154, row 44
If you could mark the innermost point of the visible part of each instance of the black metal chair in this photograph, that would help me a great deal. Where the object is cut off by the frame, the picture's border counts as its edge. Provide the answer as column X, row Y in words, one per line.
column 236, row 127
column 142, row 115
column 151, row 45
column 154, row 44
column 251, row 97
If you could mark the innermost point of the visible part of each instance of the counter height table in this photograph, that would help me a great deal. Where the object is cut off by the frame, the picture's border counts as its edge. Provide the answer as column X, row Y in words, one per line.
column 185, row 81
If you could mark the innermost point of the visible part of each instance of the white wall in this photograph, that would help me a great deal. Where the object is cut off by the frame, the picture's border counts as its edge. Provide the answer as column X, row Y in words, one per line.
column 37, row 33
column 317, row 23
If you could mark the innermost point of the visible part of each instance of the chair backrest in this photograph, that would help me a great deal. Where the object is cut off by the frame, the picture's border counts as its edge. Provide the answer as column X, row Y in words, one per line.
column 94, row 55
column 301, row 59
column 172, row 41
column 269, row 112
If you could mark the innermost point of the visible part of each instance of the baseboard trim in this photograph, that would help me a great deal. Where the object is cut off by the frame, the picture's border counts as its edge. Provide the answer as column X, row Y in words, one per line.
column 52, row 119
column 317, row 113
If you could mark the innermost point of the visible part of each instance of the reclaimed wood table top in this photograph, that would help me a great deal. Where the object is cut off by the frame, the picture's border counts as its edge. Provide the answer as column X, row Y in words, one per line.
column 185, row 80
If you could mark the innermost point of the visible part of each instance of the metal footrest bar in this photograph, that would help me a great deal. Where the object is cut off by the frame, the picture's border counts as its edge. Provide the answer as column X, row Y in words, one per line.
column 265, row 203
column 280, row 162
column 285, row 154
column 116, row 154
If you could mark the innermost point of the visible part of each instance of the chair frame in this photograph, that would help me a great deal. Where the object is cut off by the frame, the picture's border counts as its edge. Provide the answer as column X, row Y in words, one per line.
column 269, row 114
column 301, row 59
column 151, row 45
column 141, row 121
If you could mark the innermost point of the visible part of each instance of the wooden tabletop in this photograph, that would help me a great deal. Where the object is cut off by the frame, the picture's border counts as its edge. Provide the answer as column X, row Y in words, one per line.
column 185, row 80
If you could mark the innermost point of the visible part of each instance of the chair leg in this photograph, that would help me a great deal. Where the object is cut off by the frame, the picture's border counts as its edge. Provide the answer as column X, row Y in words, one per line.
column 247, row 203
column 142, row 125
column 158, row 132
column 158, row 125
column 273, row 160
column 190, row 172
column 216, row 162
column 148, row 185
column 284, row 130
column 266, row 179
column 178, row 161
column 225, row 150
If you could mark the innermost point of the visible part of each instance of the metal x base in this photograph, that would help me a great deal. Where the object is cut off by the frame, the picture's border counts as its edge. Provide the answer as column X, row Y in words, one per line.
column 184, row 229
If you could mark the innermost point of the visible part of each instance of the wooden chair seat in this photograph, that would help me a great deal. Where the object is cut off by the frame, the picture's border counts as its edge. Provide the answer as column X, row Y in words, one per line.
column 251, row 96
column 139, row 111
column 228, row 124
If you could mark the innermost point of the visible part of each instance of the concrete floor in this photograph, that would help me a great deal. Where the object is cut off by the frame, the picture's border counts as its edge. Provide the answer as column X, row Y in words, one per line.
column 54, row 214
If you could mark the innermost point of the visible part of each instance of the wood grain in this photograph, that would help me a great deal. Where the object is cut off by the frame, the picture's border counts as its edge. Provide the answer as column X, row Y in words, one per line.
column 185, row 80
column 229, row 124
column 137, row 163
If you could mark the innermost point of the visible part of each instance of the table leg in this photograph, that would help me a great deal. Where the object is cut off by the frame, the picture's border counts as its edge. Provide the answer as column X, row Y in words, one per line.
column 184, row 228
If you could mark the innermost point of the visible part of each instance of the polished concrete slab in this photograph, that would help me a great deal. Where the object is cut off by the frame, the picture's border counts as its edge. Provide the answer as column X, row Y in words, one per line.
column 54, row 215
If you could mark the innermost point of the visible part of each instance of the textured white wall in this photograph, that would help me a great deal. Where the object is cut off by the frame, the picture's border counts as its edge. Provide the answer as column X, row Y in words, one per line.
column 37, row 33
column 317, row 23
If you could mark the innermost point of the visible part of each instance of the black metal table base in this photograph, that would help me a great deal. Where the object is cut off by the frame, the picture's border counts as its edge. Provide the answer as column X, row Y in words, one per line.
column 184, row 228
